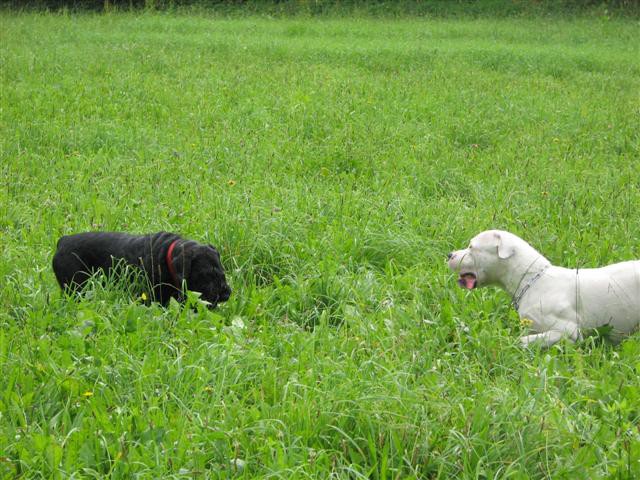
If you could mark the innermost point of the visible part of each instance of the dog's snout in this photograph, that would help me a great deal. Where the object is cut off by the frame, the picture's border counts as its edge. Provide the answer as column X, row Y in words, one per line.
column 225, row 294
column 449, row 255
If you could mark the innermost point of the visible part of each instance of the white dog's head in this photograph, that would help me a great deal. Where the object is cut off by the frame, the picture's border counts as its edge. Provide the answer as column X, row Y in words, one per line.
column 484, row 261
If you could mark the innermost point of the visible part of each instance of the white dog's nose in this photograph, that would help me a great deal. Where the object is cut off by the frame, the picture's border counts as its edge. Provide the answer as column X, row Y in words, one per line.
column 450, row 256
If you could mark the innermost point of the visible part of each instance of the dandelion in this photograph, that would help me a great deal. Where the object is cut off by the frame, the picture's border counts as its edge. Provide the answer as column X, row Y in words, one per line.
column 208, row 389
column 238, row 464
column 143, row 297
column 231, row 183
column 87, row 394
column 526, row 322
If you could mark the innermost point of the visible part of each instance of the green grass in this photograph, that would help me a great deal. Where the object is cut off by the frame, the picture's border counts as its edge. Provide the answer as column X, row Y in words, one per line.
column 334, row 163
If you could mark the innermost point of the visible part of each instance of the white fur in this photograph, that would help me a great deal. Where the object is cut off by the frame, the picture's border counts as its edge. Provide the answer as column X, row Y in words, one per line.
column 559, row 302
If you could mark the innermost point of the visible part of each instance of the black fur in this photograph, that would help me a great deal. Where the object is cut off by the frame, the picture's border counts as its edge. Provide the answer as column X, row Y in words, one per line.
column 197, row 266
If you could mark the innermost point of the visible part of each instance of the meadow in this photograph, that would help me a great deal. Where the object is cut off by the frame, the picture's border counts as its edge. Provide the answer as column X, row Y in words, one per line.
column 334, row 163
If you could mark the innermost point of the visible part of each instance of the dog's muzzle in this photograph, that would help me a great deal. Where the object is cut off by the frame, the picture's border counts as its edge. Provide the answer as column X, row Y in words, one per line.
column 224, row 295
column 468, row 280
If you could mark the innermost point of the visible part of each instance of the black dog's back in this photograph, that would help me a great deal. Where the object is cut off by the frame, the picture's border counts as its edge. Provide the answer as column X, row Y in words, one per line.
column 78, row 256
column 165, row 258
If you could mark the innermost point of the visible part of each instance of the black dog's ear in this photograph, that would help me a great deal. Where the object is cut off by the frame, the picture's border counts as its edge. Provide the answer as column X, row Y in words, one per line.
column 215, row 250
column 182, row 262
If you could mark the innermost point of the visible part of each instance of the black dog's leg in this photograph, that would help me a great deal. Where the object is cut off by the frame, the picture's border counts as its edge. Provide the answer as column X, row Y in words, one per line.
column 70, row 272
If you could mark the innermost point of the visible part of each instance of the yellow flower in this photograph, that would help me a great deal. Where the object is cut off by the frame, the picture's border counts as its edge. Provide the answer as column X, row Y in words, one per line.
column 87, row 394
column 526, row 322
column 143, row 297
column 231, row 183
column 208, row 389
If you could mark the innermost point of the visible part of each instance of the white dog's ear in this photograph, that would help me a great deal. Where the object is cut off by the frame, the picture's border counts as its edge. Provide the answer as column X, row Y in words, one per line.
column 506, row 248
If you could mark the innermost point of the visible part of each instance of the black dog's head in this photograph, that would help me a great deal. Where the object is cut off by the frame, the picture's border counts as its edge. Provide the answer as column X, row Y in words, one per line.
column 199, row 266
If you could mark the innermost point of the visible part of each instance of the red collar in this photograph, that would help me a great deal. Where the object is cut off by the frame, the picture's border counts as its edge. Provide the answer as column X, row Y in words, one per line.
column 171, row 266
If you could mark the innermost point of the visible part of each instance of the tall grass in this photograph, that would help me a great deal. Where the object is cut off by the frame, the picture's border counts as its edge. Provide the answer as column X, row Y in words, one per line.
column 376, row 8
column 334, row 163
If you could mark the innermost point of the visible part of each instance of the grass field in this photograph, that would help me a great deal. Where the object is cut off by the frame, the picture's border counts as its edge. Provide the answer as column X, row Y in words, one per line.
column 334, row 163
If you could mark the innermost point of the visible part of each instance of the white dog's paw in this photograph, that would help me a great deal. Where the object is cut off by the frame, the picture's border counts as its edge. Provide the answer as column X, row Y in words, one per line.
column 525, row 341
column 545, row 340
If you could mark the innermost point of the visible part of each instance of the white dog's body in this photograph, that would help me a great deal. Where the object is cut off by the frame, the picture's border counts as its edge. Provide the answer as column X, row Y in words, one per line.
column 559, row 302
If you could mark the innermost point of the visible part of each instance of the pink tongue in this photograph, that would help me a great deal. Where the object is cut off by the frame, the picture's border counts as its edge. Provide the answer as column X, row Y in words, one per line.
column 467, row 281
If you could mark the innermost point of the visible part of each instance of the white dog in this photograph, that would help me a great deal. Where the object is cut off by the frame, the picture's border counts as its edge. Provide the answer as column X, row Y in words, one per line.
column 558, row 302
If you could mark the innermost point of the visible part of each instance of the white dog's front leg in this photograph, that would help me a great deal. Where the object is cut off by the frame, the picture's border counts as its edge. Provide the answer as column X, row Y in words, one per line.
column 545, row 339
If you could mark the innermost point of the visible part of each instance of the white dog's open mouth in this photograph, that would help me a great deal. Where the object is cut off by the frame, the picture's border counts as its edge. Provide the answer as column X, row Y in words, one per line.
column 468, row 280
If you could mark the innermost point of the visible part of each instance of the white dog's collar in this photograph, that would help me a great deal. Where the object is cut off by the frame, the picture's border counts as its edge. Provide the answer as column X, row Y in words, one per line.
column 519, row 295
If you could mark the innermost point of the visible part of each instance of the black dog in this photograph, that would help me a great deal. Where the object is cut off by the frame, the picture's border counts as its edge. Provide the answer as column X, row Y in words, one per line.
column 168, row 261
